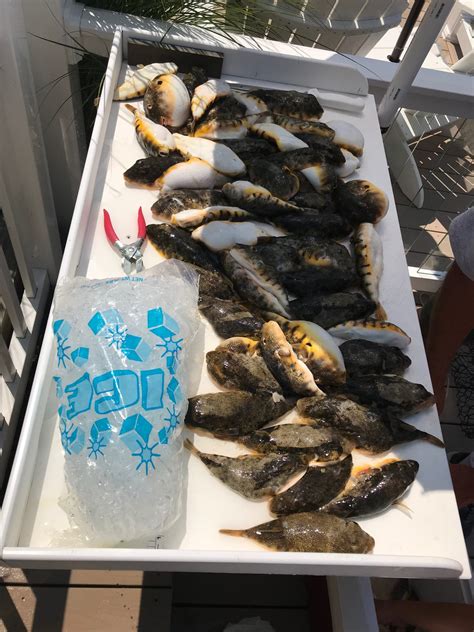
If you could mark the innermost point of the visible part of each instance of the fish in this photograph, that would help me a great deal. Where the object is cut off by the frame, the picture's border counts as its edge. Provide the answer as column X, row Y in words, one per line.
column 316, row 348
column 321, row 176
column 241, row 369
column 382, row 332
column 317, row 487
column 234, row 413
column 363, row 357
column 220, row 157
column 348, row 137
column 192, row 174
column 327, row 310
column 368, row 250
column 154, row 139
column 367, row 428
column 257, row 199
column 314, row 200
column 309, row 532
column 280, row 254
column 351, row 164
column 174, row 201
column 206, row 94
column 146, row 172
column 360, row 201
column 213, row 284
column 321, row 444
column 324, row 253
column 390, row 392
column 253, row 104
column 194, row 78
column 280, row 181
column 374, row 490
column 175, row 243
column 252, row 476
column 290, row 103
column 318, row 279
column 192, row 217
column 166, row 101
column 277, row 134
column 254, row 281
column 239, row 344
column 226, row 108
column 322, row 225
column 291, row 372
column 249, row 148
column 224, row 235
column 298, row 159
column 218, row 129
column 298, row 126
column 325, row 148
column 229, row 317
column 137, row 83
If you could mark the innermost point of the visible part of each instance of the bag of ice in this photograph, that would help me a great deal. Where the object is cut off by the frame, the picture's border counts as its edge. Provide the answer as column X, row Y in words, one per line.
column 125, row 355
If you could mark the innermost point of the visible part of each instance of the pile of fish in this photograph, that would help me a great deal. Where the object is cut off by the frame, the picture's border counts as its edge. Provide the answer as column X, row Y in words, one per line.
column 251, row 194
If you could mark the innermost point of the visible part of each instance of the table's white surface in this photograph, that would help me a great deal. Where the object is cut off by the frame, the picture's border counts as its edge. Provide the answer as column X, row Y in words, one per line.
column 433, row 528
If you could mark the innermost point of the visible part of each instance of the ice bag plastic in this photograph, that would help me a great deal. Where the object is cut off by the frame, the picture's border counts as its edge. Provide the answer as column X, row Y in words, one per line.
column 124, row 357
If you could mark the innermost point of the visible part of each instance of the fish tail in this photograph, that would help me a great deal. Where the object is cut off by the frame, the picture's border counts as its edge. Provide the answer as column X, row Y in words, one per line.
column 240, row 533
column 380, row 313
column 131, row 108
column 434, row 440
column 408, row 511
column 191, row 447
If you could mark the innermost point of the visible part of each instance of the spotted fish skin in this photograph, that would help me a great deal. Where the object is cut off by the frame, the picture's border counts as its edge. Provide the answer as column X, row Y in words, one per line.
column 167, row 101
column 154, row 139
column 323, row 225
column 326, row 149
column 146, row 172
column 248, row 148
column 234, row 413
column 360, row 201
column 175, row 243
column 299, row 105
column 363, row 357
column 368, row 251
column 194, row 78
column 314, row 200
column 206, row 94
column 252, row 476
column 317, row 487
column 279, row 180
column 327, row 310
column 309, row 532
column 298, row 159
column 257, row 199
column 171, row 202
column 374, row 490
column 230, row 318
column 318, row 278
column 297, row 126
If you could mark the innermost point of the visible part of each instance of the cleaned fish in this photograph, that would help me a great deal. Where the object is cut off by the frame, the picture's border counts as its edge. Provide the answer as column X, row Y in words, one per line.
column 322, row 177
column 224, row 235
column 257, row 199
column 206, row 94
column 146, row 172
column 166, row 101
column 175, row 243
column 279, row 135
column 317, row 487
column 316, row 348
column 280, row 181
column 252, row 476
column 191, row 174
column 154, row 139
column 390, row 392
column 192, row 217
column 374, row 489
column 309, row 533
column 299, row 105
column 194, row 78
column 238, row 366
column 368, row 429
column 171, row 202
column 253, row 104
column 234, row 413
column 298, row 126
column 300, row 438
column 291, row 372
column 220, row 157
column 311, row 221
column 250, row 148
column 348, row 137
column 327, row 310
column 363, row 357
column 373, row 330
column 254, row 281
column 352, row 163
column 230, row 318
column 368, row 251
column 137, row 83
column 360, row 201
column 325, row 148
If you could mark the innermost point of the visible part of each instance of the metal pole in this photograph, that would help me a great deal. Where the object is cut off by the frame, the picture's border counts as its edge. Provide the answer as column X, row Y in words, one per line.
column 406, row 31
column 406, row 72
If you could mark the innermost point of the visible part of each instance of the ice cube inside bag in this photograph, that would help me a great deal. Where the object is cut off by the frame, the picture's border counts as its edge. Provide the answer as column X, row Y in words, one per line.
column 125, row 355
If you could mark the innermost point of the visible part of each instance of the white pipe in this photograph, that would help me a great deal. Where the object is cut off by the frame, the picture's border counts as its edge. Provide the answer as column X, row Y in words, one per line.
column 423, row 40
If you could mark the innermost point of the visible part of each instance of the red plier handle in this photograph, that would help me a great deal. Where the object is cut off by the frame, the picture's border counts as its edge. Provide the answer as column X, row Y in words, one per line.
column 112, row 235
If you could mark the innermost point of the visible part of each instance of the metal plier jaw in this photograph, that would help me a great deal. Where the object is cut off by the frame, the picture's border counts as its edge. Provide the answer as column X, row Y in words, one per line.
column 131, row 253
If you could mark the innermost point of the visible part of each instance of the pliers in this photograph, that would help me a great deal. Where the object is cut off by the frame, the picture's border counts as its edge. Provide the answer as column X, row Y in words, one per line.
column 131, row 253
